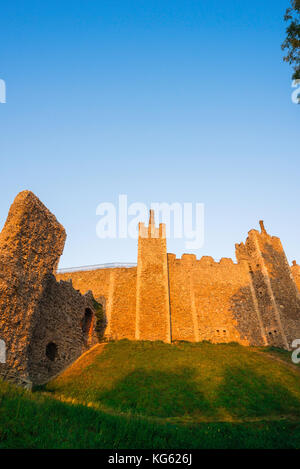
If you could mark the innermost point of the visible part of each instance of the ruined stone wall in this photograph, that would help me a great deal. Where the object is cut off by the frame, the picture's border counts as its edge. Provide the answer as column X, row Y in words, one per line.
column 115, row 289
column 65, row 324
column 98, row 281
column 32, row 304
column 30, row 245
column 276, row 291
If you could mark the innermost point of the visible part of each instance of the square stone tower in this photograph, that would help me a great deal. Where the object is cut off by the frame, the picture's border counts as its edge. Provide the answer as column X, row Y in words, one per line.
column 153, row 321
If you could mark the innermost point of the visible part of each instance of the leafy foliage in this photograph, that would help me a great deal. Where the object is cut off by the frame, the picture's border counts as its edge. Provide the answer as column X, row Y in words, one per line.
column 292, row 41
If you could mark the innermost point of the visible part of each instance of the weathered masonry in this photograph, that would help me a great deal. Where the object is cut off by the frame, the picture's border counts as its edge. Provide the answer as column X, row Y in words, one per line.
column 255, row 301
column 45, row 324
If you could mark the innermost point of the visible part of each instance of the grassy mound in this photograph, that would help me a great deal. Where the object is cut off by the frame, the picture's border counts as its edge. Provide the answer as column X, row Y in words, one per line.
column 154, row 395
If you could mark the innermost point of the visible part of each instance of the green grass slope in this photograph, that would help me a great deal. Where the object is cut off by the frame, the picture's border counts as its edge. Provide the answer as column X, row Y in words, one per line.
column 154, row 395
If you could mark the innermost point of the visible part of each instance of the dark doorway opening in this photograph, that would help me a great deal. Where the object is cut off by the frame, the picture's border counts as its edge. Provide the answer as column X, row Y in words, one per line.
column 87, row 321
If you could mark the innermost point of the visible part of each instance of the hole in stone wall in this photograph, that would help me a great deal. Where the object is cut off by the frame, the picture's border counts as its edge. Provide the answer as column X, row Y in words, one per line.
column 87, row 321
column 51, row 351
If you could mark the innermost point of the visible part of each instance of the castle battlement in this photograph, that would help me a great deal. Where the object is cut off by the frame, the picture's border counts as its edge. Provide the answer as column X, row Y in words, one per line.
column 203, row 261
column 169, row 298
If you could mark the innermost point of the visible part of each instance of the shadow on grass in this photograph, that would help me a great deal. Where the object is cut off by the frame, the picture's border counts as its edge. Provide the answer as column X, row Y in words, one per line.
column 246, row 393
column 158, row 393
column 242, row 393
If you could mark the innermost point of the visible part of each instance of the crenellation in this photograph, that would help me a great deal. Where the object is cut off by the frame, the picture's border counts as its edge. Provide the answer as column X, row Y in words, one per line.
column 207, row 260
column 226, row 261
column 189, row 258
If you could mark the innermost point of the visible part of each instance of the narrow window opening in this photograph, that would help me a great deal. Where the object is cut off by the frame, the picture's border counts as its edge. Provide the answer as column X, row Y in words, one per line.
column 51, row 351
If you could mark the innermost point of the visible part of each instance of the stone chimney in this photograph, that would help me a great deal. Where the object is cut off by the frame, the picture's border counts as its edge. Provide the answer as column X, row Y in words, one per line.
column 262, row 227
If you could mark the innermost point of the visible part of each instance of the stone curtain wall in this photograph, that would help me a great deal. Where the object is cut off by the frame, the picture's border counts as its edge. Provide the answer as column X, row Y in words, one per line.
column 121, row 305
column 203, row 293
column 254, row 301
column 207, row 301
column 184, row 318
column 32, row 303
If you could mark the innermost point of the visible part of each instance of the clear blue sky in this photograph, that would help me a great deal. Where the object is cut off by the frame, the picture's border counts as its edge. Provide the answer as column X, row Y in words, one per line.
column 173, row 100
